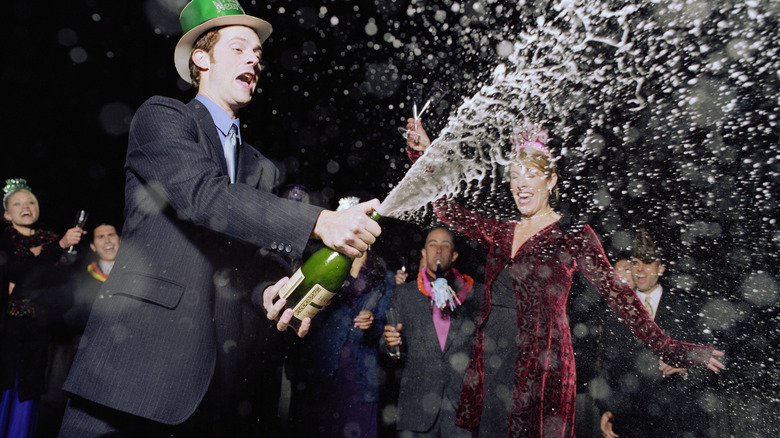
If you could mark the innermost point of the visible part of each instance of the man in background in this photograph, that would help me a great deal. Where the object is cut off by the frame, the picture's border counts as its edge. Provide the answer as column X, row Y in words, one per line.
column 646, row 397
column 435, row 339
column 85, row 280
column 89, row 278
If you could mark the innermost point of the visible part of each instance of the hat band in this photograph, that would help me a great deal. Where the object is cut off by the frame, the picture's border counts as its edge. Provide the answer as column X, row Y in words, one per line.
column 198, row 12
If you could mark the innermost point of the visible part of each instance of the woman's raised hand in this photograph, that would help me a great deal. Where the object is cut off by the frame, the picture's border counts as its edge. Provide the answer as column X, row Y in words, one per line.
column 72, row 237
column 417, row 139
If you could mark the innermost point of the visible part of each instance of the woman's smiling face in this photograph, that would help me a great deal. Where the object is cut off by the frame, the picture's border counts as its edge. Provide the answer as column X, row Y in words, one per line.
column 22, row 209
column 530, row 188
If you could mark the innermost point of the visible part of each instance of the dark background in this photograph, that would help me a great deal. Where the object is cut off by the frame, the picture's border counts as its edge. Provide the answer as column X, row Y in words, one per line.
column 332, row 95
column 327, row 109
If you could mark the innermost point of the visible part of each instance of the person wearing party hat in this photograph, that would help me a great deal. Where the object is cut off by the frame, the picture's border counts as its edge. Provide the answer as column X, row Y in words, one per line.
column 156, row 356
column 529, row 390
column 33, row 298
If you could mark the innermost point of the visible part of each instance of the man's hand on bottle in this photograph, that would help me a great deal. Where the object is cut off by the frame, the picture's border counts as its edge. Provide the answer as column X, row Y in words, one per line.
column 349, row 231
column 276, row 311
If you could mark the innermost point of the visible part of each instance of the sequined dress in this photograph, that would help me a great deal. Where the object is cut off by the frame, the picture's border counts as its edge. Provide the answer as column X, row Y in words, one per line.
column 534, row 384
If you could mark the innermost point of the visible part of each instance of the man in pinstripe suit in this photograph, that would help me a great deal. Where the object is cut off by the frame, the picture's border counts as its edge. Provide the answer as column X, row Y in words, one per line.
column 158, row 356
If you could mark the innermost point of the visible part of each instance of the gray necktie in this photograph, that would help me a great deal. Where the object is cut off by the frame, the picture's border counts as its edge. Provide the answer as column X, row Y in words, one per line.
column 231, row 151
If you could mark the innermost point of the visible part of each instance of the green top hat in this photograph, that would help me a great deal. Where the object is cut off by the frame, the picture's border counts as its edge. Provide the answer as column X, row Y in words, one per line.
column 201, row 15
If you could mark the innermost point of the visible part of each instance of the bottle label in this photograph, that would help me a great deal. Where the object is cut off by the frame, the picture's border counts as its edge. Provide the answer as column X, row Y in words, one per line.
column 314, row 300
column 291, row 284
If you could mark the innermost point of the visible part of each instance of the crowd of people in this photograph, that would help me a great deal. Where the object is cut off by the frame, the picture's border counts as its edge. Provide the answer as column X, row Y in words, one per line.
column 340, row 373
column 181, row 333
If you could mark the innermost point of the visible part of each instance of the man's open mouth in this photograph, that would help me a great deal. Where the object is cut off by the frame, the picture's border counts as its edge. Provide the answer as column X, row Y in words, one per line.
column 247, row 78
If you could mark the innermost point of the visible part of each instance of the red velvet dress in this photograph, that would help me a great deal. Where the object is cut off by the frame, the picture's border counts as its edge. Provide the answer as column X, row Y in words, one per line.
column 544, row 383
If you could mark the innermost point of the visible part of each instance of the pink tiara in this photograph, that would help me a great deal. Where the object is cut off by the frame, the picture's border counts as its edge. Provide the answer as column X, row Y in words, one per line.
column 530, row 135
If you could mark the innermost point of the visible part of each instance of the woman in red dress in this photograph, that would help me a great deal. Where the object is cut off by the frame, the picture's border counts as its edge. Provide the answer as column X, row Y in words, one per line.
column 529, row 390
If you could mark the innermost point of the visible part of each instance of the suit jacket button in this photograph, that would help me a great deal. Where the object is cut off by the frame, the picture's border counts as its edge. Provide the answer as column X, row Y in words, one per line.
column 273, row 245
column 288, row 248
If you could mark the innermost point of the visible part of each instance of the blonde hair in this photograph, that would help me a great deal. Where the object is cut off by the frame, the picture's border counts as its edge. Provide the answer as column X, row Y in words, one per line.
column 548, row 166
column 8, row 196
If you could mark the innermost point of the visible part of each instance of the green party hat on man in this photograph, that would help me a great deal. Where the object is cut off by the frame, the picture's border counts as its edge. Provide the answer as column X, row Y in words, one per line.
column 200, row 16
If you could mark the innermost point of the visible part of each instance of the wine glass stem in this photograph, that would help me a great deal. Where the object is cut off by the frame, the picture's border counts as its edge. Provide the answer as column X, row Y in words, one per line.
column 422, row 111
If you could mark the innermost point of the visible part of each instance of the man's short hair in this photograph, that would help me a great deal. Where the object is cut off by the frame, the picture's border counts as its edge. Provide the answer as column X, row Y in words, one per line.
column 205, row 42
column 442, row 227
column 103, row 224
column 645, row 248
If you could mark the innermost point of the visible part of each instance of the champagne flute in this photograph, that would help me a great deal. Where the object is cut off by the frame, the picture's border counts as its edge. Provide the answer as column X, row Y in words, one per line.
column 369, row 304
column 393, row 320
column 81, row 220
column 415, row 93
column 402, row 273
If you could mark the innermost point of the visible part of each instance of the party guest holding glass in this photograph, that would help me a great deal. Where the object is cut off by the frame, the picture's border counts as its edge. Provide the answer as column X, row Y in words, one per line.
column 35, row 297
column 529, row 390
column 335, row 383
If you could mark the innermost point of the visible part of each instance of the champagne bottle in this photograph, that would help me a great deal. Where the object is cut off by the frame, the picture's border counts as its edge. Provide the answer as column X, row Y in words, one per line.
column 313, row 285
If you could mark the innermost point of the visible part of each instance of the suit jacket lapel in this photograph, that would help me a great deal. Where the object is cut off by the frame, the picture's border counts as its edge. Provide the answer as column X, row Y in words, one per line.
column 210, row 129
column 660, row 312
column 456, row 320
column 455, row 323
column 256, row 170
column 252, row 168
column 248, row 160
column 422, row 306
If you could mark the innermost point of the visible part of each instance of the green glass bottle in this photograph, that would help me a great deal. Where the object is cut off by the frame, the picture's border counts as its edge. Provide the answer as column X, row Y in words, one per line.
column 313, row 285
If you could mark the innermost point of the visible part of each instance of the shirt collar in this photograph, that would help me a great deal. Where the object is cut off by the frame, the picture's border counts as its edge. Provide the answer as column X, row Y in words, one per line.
column 105, row 267
column 220, row 116
column 655, row 296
